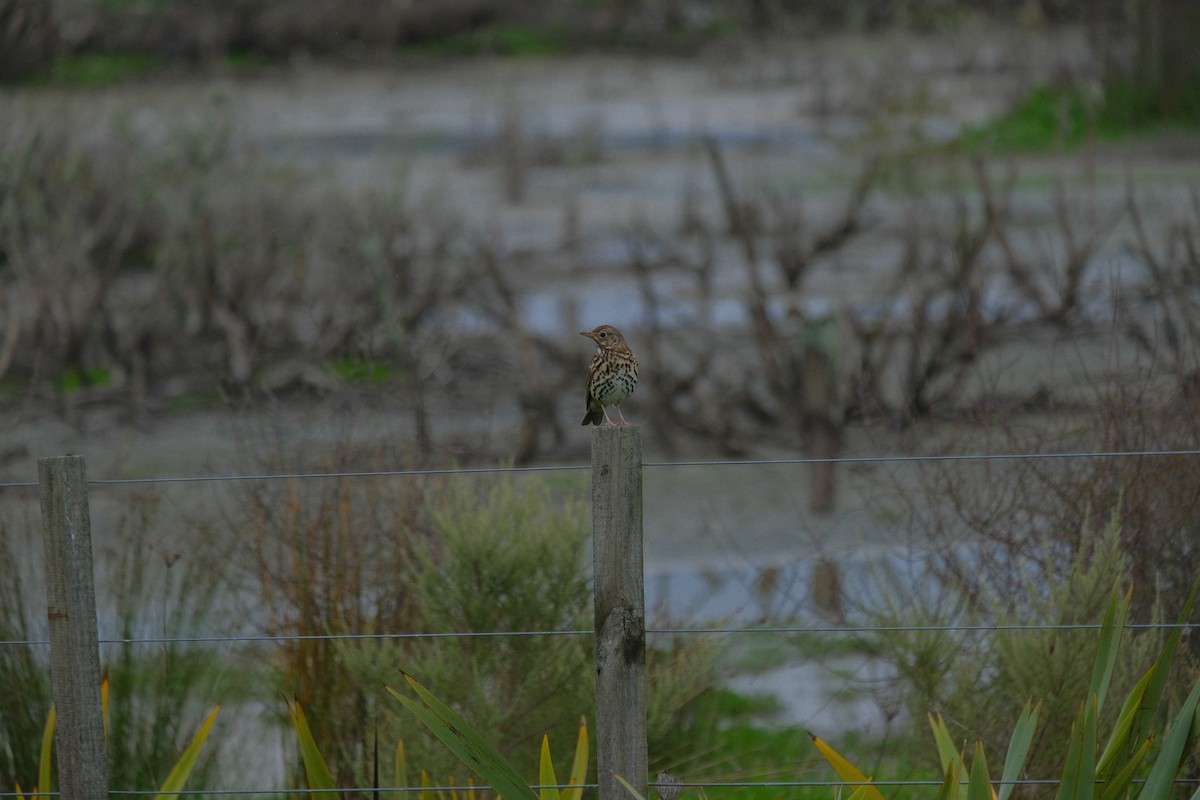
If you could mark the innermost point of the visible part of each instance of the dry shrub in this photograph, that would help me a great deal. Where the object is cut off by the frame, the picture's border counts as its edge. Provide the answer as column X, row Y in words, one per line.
column 333, row 559
column 145, row 266
column 155, row 266
column 70, row 224
column 1163, row 317
column 967, row 269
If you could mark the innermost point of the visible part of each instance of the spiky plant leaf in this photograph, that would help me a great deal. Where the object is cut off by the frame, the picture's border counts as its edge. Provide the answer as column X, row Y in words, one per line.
column 44, row 756
column 465, row 742
column 1174, row 747
column 1115, row 787
column 315, row 769
column 579, row 765
column 629, row 787
column 948, row 754
column 1110, row 641
column 183, row 767
column 1018, row 748
column 1119, row 735
column 980, row 785
column 848, row 772
column 546, row 776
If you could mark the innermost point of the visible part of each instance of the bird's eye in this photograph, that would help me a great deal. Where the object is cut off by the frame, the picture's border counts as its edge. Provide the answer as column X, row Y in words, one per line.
column 603, row 334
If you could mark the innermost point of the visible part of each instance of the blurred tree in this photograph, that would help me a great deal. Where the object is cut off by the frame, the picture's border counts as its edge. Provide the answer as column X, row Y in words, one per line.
column 26, row 37
column 1150, row 59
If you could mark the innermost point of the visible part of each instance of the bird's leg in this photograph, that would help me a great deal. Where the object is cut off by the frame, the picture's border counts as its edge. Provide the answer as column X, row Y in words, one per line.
column 621, row 414
column 607, row 418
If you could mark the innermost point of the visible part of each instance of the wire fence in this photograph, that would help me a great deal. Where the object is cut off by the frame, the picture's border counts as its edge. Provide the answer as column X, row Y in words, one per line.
column 699, row 630
column 537, row 787
column 684, row 631
column 504, row 469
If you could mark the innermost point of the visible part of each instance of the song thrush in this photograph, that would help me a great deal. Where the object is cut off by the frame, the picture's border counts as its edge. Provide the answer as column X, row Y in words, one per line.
column 611, row 376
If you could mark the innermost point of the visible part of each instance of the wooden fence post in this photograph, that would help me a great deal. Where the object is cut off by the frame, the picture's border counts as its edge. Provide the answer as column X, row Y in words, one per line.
column 820, row 408
column 620, row 605
column 74, row 646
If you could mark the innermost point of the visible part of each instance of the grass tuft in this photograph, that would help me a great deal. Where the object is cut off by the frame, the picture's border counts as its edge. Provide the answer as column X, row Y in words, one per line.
column 1063, row 118
column 89, row 70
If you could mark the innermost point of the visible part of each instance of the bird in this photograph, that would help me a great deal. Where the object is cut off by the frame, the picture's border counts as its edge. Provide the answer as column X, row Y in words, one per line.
column 611, row 376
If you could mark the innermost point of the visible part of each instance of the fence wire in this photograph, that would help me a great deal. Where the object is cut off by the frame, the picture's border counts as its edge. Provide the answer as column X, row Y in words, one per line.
column 497, row 469
column 685, row 631
column 681, row 631
column 782, row 784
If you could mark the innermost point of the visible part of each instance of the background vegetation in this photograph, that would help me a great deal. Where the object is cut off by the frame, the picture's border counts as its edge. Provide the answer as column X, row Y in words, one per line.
column 1149, row 66
column 166, row 269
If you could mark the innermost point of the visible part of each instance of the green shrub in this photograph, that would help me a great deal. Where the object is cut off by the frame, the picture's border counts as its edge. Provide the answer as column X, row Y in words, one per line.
column 978, row 678
column 24, row 670
column 101, row 69
column 1137, row 754
column 1066, row 117
column 499, row 556
column 145, row 587
column 159, row 588
column 1047, row 118
column 426, row 558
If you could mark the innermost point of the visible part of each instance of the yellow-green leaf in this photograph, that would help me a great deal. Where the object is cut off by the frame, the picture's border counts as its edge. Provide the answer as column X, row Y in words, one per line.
column 44, row 756
column 579, row 765
column 187, row 762
column 399, row 773
column 549, row 790
column 629, row 787
column 315, row 769
column 1173, row 749
column 947, row 752
column 1143, row 723
column 465, row 742
column 1018, row 748
column 1079, row 772
column 1091, row 725
column 104, row 704
column 952, row 782
column 1114, row 787
column 980, row 786
column 1110, row 641
column 848, row 772
column 1124, row 724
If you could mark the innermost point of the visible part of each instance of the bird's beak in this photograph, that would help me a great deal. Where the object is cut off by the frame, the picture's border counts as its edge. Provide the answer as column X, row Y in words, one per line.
column 586, row 333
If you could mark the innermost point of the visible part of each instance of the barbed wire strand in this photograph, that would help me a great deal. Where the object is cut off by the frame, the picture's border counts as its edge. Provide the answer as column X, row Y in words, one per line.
column 393, row 473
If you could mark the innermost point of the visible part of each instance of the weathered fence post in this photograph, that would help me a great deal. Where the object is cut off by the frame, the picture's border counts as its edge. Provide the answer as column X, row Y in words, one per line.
column 820, row 408
column 74, row 646
column 620, row 604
